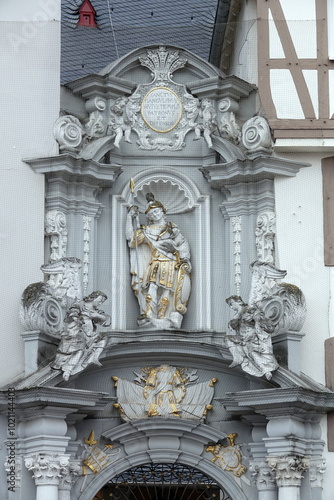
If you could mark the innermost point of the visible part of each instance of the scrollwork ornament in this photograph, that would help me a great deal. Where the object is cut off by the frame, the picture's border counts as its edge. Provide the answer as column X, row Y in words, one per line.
column 317, row 471
column 68, row 132
column 288, row 469
column 228, row 457
column 228, row 126
column 56, row 229
column 265, row 237
column 256, row 136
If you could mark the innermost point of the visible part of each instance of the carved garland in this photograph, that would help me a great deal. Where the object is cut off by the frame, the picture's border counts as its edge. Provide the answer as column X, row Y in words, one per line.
column 86, row 250
column 236, row 224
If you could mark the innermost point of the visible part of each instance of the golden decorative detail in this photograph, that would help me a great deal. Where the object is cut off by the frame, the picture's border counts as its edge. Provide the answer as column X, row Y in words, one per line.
column 115, row 379
column 162, row 308
column 90, row 440
column 212, row 382
column 148, row 299
column 118, row 407
column 97, row 459
column 132, row 185
column 207, row 408
column 228, row 457
column 231, row 438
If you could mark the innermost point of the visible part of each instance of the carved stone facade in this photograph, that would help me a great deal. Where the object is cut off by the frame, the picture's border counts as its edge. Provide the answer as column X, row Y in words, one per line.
column 162, row 195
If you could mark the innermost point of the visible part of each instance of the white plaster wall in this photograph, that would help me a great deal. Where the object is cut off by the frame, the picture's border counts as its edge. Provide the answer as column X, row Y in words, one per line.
column 300, row 252
column 244, row 57
column 30, row 47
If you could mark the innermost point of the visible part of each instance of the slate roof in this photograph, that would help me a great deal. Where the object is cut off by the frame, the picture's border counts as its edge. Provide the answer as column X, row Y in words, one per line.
column 124, row 25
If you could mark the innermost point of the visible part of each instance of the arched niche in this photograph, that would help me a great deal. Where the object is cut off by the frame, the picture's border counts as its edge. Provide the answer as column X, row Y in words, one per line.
column 175, row 188
column 165, row 441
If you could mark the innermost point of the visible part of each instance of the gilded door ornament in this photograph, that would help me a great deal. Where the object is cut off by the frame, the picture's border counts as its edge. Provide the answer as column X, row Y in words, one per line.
column 228, row 457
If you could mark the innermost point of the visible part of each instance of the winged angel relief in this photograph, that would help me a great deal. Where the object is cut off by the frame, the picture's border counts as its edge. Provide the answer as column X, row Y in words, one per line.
column 164, row 391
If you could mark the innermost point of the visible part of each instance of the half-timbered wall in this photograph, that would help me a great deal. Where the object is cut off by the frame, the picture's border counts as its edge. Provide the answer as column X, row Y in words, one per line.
column 295, row 72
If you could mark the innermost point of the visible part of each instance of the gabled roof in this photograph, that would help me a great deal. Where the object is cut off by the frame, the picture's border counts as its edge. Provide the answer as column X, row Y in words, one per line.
column 124, row 26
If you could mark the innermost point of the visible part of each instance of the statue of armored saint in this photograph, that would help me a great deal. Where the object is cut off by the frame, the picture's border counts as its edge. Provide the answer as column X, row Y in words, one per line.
column 160, row 266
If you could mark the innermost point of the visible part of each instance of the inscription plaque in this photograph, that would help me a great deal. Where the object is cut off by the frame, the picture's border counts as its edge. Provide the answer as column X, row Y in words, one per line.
column 161, row 109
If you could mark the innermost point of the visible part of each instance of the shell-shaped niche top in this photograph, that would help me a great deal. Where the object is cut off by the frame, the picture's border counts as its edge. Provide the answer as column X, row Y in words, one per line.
column 175, row 197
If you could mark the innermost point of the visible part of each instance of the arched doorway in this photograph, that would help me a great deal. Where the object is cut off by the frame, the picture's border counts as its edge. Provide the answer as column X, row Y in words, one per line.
column 162, row 481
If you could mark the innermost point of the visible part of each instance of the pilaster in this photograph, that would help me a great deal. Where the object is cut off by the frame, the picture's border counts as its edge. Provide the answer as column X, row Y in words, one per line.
column 72, row 187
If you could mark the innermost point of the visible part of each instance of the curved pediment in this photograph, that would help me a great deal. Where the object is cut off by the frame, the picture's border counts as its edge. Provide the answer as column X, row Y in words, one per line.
column 126, row 66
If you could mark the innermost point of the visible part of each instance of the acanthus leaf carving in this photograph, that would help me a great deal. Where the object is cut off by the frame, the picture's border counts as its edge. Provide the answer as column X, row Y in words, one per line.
column 263, row 476
column 46, row 468
column 288, row 469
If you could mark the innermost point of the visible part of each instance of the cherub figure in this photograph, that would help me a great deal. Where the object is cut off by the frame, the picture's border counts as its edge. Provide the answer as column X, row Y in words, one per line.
column 123, row 118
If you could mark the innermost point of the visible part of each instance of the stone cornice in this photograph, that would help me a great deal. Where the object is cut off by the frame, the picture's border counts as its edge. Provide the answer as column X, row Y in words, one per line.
column 102, row 85
column 279, row 402
column 71, row 165
column 220, row 87
column 69, row 399
column 247, row 170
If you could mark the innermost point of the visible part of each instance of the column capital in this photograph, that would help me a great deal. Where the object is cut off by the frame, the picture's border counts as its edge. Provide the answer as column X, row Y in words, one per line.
column 263, row 476
column 69, row 474
column 288, row 469
column 46, row 469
